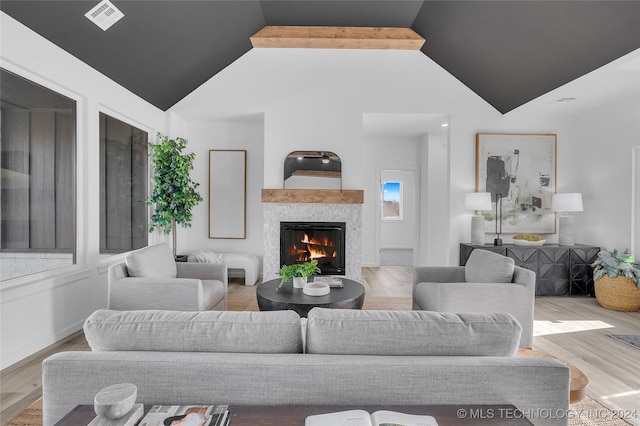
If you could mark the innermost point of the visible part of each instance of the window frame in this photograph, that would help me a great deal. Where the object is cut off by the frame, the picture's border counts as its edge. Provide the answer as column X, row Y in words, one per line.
column 112, row 113
column 76, row 129
column 400, row 191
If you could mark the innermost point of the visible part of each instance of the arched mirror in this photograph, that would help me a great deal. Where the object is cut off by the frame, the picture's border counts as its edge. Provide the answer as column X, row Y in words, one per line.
column 312, row 170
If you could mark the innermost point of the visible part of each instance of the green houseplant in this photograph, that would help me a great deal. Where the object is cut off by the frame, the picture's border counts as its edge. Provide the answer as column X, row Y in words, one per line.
column 174, row 194
column 297, row 270
column 617, row 280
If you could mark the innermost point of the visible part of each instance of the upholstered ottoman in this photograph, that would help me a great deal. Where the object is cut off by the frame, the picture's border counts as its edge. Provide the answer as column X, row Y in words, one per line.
column 250, row 263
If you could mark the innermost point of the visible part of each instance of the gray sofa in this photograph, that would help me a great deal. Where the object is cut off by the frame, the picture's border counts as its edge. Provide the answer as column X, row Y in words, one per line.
column 341, row 357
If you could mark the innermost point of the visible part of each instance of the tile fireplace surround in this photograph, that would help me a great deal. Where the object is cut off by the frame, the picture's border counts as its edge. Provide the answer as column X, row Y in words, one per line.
column 315, row 211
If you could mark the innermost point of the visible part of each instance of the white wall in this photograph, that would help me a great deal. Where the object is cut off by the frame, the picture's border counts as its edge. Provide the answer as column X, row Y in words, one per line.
column 315, row 99
column 434, row 190
column 595, row 157
column 241, row 132
column 40, row 309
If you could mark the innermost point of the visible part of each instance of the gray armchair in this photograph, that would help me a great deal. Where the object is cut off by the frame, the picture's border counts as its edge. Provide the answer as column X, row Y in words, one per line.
column 151, row 279
column 489, row 282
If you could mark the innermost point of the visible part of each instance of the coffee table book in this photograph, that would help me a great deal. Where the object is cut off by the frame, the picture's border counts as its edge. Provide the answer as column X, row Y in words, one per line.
column 202, row 415
column 363, row 418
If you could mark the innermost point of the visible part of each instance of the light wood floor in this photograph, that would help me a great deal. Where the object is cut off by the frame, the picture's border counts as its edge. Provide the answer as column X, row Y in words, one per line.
column 572, row 328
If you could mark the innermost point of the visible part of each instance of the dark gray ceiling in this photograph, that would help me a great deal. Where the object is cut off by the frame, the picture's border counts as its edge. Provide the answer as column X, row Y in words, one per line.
column 508, row 52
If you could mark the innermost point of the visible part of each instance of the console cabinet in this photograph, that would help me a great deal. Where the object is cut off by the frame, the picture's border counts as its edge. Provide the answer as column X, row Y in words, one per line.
column 560, row 270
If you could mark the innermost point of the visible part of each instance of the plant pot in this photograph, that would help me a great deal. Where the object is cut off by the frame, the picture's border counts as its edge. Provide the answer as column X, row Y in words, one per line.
column 618, row 294
column 299, row 282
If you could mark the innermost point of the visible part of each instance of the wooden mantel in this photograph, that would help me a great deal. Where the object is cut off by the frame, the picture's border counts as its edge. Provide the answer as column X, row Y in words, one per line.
column 337, row 38
column 327, row 196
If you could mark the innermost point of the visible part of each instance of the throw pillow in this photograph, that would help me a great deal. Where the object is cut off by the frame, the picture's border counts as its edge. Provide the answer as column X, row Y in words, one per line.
column 152, row 262
column 484, row 266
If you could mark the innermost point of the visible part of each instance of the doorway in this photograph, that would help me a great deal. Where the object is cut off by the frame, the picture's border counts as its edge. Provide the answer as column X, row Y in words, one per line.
column 397, row 222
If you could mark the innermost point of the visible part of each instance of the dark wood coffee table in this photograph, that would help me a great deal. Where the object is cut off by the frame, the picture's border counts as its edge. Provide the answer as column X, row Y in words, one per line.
column 294, row 415
column 445, row 415
column 351, row 296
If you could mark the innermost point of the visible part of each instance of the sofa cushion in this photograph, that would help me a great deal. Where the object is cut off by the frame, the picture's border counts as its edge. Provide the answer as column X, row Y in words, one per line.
column 355, row 332
column 484, row 266
column 213, row 291
column 208, row 331
column 152, row 262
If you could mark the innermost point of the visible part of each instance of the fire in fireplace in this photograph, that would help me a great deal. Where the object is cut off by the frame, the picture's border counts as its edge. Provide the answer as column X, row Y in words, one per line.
column 321, row 241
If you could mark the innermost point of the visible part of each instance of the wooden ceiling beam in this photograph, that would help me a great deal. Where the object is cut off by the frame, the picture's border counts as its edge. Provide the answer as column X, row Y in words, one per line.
column 337, row 38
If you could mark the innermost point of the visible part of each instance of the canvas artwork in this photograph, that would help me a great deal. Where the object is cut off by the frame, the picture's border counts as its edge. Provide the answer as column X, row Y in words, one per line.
column 520, row 171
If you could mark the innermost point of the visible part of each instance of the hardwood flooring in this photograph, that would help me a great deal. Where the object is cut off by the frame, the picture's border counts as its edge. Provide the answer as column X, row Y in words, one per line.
column 571, row 328
column 576, row 329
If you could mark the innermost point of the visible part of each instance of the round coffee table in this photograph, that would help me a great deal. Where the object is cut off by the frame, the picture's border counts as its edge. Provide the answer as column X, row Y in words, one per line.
column 351, row 296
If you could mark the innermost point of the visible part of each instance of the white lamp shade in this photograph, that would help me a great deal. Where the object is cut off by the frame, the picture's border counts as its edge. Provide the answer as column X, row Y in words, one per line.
column 568, row 202
column 477, row 201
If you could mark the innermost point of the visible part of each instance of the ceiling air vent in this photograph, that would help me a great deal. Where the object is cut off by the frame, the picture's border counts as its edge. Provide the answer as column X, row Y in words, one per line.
column 104, row 14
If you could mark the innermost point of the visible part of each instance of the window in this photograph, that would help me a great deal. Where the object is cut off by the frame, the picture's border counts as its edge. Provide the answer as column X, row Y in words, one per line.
column 391, row 194
column 37, row 189
column 123, row 186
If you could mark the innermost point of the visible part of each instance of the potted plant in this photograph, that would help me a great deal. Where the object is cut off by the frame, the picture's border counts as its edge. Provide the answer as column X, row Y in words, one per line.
column 617, row 281
column 298, row 272
column 174, row 194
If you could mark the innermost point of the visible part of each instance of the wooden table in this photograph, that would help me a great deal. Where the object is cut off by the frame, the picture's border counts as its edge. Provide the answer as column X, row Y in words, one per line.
column 351, row 296
column 294, row 415
column 579, row 381
column 445, row 415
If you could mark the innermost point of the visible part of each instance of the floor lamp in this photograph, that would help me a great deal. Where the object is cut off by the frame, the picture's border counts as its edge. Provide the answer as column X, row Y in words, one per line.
column 477, row 201
column 564, row 203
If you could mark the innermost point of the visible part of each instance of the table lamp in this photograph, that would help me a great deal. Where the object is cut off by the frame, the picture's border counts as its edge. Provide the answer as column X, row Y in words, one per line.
column 477, row 201
column 564, row 203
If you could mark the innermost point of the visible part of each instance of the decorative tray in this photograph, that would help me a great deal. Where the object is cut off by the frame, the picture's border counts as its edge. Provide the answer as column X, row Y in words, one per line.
column 529, row 243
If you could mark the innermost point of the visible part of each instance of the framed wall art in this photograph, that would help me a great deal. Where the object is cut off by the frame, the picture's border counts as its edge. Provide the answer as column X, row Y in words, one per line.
column 519, row 170
column 227, row 193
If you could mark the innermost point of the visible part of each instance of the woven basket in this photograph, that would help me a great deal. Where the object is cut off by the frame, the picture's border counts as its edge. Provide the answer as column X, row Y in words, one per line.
column 618, row 294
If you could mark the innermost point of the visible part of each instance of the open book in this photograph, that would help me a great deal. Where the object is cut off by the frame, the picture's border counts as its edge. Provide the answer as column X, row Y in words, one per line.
column 363, row 418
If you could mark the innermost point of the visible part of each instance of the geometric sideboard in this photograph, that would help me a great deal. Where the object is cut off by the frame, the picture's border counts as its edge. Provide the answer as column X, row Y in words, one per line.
column 560, row 270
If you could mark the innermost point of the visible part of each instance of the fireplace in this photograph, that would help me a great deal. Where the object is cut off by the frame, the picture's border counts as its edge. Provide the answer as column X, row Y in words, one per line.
column 321, row 241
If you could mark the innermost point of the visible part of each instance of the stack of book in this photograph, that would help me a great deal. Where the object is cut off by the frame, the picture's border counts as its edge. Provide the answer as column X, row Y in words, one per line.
column 333, row 281
column 187, row 415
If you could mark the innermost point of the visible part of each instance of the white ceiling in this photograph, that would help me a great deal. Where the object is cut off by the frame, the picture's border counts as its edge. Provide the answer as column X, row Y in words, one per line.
column 410, row 125
column 618, row 79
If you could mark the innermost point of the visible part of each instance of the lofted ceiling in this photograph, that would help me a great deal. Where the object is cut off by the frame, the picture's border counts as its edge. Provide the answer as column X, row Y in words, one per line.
column 508, row 52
